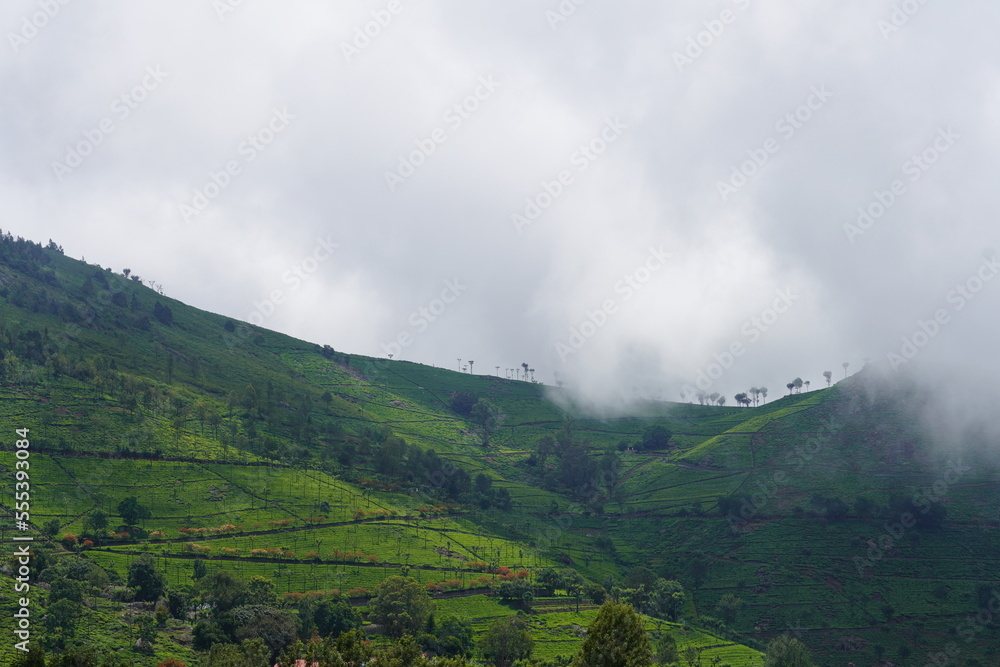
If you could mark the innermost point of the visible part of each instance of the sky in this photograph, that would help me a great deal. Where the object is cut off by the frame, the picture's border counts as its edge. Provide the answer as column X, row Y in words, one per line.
column 633, row 198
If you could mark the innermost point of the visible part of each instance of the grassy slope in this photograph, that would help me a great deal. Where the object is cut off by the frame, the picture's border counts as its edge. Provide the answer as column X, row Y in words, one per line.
column 793, row 571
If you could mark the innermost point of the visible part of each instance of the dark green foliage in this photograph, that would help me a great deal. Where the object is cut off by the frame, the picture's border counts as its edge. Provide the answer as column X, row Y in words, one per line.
column 66, row 589
column 666, row 649
column 786, row 651
column 401, row 606
column 132, row 511
column 655, row 437
column 146, row 579
column 616, row 638
column 206, row 634
column 275, row 627
column 163, row 314
column 728, row 608
column 334, row 617
column 462, row 403
column 506, row 641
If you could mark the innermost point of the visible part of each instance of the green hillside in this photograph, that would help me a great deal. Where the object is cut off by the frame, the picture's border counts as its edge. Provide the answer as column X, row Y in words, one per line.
column 326, row 473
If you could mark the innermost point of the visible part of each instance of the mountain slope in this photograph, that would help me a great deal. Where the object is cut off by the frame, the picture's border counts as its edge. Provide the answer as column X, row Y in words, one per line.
column 329, row 471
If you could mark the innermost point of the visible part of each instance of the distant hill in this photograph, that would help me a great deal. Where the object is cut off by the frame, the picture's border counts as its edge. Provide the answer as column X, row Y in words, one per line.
column 830, row 514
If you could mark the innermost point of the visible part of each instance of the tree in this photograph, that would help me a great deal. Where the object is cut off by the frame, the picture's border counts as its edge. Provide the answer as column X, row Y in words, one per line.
column 401, row 606
column 666, row 649
column 728, row 608
column 655, row 437
column 786, row 651
column 506, row 641
column 616, row 638
column 260, row 590
column 275, row 627
column 163, row 314
column 845, row 365
column 454, row 636
column 35, row 657
column 64, row 588
column 483, row 483
column 131, row 511
column 763, row 392
column 51, row 528
column 96, row 523
column 487, row 414
column 797, row 383
column 549, row 580
column 462, row 403
column 335, row 617
column 198, row 569
column 828, row 375
column 147, row 581
column 667, row 598
column 790, row 386
column 60, row 619
column 249, row 653
column 224, row 589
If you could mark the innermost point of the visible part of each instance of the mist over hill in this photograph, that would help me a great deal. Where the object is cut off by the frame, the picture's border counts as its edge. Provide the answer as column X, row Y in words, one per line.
column 860, row 519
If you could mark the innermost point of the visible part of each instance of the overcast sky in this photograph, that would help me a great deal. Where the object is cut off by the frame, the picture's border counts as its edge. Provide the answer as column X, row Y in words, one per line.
column 608, row 191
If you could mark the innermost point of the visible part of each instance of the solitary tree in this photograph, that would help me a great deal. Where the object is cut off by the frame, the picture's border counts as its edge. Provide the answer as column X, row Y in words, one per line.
column 132, row 511
column 797, row 382
column 487, row 414
column 763, row 392
column 790, row 386
column 828, row 375
column 616, row 638
column 845, row 365
column 470, row 365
